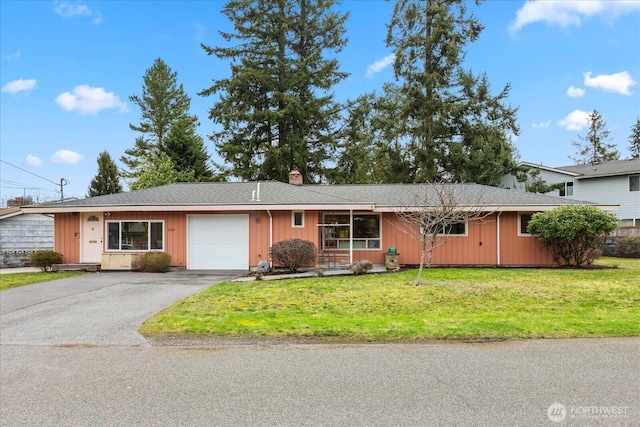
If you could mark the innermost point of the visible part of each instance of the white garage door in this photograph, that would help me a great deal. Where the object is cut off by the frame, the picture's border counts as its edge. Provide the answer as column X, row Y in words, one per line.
column 218, row 242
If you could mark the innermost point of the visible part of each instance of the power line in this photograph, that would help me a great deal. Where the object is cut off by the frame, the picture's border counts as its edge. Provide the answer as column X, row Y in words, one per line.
column 24, row 170
column 63, row 181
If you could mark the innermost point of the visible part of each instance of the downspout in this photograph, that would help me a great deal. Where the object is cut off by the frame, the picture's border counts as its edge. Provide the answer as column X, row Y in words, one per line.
column 498, row 237
column 270, row 237
column 350, row 236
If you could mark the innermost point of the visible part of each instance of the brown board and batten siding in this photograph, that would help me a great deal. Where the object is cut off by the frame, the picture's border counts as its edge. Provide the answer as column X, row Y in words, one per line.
column 66, row 236
column 520, row 250
column 477, row 247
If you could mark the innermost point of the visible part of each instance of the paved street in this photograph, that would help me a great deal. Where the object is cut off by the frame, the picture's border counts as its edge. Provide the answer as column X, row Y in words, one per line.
column 101, row 372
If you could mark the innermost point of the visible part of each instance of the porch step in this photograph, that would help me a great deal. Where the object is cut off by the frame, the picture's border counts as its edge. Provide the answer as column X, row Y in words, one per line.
column 76, row 267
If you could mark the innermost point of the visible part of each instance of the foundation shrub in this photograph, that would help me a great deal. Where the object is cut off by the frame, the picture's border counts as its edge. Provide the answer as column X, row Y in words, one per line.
column 293, row 253
column 45, row 259
column 155, row 262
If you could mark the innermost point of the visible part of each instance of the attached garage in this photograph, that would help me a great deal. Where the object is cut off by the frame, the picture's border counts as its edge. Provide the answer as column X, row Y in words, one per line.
column 218, row 242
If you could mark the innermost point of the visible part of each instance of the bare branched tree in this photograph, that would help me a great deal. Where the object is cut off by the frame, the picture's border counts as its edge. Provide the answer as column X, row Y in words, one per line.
column 434, row 210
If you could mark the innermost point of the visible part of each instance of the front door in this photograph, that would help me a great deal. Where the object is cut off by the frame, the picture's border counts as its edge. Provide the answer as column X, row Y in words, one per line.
column 91, row 243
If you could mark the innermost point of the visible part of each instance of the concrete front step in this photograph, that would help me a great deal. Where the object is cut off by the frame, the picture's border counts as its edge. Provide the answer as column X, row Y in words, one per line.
column 76, row 267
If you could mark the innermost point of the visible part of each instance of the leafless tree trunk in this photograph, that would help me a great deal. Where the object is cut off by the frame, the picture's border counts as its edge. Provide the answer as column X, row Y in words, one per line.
column 434, row 210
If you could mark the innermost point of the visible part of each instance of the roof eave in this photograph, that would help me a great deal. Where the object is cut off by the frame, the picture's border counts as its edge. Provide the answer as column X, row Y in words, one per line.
column 201, row 208
column 496, row 208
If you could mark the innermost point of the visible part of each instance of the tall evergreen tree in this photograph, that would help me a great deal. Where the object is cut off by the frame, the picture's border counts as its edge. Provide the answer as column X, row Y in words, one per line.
column 634, row 139
column 452, row 123
column 276, row 110
column 162, row 104
column 594, row 147
column 370, row 146
column 107, row 180
column 187, row 151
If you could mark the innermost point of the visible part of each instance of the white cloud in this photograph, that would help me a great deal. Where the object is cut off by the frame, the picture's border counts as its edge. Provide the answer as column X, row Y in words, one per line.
column 575, row 120
column 89, row 100
column 380, row 65
column 569, row 12
column 16, row 55
column 542, row 125
column 618, row 82
column 19, row 85
column 69, row 10
column 67, row 157
column 575, row 92
column 33, row 160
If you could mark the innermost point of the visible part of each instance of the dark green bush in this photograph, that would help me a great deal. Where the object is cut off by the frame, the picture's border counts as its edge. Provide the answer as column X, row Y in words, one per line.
column 571, row 233
column 155, row 262
column 45, row 259
column 293, row 253
column 628, row 247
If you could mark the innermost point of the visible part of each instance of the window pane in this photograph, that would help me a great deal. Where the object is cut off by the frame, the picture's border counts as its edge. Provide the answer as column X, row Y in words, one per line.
column 156, row 235
column 569, row 188
column 135, row 236
column 524, row 223
column 113, row 229
column 634, row 183
column 297, row 219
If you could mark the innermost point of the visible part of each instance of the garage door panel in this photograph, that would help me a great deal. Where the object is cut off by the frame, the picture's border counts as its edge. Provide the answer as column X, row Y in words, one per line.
column 218, row 242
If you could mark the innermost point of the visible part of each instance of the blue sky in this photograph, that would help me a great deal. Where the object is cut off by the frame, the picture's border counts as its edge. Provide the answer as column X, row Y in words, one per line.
column 67, row 70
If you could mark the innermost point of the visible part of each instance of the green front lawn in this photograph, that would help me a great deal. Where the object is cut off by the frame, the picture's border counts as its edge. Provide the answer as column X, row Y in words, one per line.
column 456, row 303
column 14, row 280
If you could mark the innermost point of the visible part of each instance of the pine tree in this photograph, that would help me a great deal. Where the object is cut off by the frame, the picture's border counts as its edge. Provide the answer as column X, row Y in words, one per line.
column 187, row 151
column 163, row 103
column 107, row 180
column 594, row 147
column 452, row 123
column 634, row 139
column 370, row 148
column 276, row 110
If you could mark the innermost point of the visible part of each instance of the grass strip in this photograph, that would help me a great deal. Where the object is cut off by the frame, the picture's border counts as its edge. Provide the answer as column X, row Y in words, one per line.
column 455, row 303
column 13, row 280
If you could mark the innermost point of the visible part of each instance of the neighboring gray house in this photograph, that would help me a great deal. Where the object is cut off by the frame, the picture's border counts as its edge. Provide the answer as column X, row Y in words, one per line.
column 609, row 183
column 21, row 234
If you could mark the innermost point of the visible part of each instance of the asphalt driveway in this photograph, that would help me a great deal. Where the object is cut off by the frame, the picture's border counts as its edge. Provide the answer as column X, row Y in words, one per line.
column 95, row 309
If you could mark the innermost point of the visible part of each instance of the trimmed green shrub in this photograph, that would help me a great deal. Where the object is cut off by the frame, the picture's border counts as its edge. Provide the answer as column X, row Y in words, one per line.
column 360, row 267
column 155, row 262
column 44, row 259
column 572, row 233
column 628, row 247
column 293, row 253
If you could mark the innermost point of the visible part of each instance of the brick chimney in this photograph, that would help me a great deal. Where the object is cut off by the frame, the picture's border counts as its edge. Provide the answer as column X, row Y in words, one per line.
column 295, row 177
column 14, row 203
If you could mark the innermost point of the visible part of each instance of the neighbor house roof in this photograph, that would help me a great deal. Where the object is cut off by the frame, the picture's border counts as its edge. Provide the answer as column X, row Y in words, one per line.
column 272, row 195
column 597, row 170
column 612, row 168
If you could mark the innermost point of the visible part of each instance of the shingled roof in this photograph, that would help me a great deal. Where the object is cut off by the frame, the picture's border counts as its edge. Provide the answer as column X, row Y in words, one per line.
column 280, row 196
column 612, row 168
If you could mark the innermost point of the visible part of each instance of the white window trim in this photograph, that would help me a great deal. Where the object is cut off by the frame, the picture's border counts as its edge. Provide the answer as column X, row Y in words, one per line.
column 629, row 183
column 164, row 235
column 293, row 219
column 354, row 239
column 465, row 234
column 520, row 233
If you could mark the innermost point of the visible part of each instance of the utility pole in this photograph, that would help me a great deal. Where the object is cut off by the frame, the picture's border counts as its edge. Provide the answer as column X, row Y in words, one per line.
column 63, row 182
